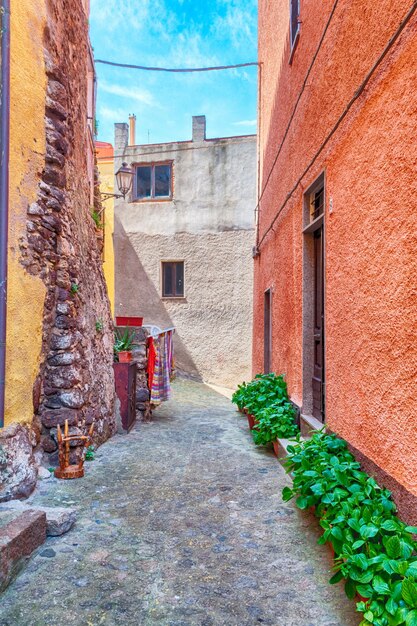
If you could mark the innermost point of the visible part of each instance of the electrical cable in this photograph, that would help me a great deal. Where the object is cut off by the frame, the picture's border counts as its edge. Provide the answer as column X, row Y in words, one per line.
column 214, row 68
column 355, row 96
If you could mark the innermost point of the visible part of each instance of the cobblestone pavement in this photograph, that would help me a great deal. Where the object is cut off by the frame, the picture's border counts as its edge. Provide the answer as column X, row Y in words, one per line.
column 180, row 523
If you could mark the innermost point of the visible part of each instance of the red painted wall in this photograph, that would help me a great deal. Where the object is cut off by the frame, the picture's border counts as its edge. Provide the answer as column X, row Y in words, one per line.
column 370, row 236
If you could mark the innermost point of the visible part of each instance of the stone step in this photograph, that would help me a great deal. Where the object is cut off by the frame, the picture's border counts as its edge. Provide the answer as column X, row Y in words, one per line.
column 59, row 520
column 21, row 533
column 309, row 424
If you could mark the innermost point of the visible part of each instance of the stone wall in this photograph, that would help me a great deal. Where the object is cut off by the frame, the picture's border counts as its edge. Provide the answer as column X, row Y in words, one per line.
column 60, row 245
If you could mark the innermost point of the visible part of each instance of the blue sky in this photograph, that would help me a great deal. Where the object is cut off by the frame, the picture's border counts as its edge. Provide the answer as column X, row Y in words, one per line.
column 175, row 33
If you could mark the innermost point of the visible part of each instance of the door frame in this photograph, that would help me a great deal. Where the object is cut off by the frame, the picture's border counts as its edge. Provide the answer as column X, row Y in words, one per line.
column 267, row 331
column 310, row 226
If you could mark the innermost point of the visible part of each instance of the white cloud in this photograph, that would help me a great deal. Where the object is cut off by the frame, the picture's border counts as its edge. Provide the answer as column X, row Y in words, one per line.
column 112, row 114
column 245, row 123
column 131, row 93
column 115, row 13
column 238, row 24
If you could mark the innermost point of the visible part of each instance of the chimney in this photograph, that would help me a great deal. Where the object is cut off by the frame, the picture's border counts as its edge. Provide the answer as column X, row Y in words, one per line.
column 121, row 137
column 199, row 127
column 132, row 130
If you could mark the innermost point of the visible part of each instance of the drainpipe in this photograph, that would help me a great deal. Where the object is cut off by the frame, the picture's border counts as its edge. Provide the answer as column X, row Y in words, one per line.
column 4, row 188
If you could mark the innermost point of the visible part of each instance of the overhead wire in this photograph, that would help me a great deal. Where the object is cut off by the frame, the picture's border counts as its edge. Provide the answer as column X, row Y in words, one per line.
column 182, row 70
column 355, row 96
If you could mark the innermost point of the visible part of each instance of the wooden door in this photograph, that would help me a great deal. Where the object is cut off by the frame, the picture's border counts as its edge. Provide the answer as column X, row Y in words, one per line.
column 267, row 332
column 318, row 371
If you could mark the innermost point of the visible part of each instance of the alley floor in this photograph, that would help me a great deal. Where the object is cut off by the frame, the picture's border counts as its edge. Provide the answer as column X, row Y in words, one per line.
column 180, row 523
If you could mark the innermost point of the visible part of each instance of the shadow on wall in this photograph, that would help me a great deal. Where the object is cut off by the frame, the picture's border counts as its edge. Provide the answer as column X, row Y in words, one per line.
column 135, row 294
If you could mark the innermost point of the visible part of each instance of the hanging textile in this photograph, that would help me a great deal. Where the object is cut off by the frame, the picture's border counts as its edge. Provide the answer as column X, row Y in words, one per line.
column 151, row 362
column 161, row 388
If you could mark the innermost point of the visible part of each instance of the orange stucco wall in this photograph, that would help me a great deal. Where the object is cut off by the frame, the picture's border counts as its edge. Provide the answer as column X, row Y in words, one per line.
column 370, row 167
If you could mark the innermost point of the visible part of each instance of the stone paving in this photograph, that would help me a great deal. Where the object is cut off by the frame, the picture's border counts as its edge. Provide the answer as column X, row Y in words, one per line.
column 180, row 523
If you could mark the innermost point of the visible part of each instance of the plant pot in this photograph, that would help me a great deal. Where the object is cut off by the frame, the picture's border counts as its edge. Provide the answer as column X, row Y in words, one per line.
column 125, row 356
column 129, row 321
column 276, row 448
column 251, row 421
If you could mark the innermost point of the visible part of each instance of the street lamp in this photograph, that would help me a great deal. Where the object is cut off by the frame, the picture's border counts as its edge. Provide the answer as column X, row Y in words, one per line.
column 124, row 179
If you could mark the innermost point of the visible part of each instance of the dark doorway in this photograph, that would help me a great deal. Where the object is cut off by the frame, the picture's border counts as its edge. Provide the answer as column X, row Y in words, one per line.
column 318, row 371
column 267, row 332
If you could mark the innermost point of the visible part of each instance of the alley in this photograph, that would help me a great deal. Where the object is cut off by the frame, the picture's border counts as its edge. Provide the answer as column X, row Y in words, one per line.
column 180, row 523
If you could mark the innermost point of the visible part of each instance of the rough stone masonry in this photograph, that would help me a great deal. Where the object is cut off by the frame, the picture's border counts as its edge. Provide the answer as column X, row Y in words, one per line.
column 63, row 247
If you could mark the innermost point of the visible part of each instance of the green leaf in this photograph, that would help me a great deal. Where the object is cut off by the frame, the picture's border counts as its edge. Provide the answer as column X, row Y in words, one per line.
column 365, row 591
column 411, row 619
column 369, row 616
column 302, row 502
column 360, row 560
column 337, row 533
column 381, row 586
column 391, row 606
column 368, row 531
column 411, row 529
column 353, row 523
column 393, row 547
column 350, row 589
column 400, row 616
column 358, row 544
column 409, row 592
column 287, row 494
column 336, row 578
column 389, row 525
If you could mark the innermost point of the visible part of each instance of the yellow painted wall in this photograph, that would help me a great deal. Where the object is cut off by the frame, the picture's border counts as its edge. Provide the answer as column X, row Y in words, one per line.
column 106, row 169
column 26, row 294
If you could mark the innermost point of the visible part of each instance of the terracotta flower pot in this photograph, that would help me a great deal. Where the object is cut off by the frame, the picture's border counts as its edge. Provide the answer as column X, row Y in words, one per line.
column 276, row 449
column 251, row 421
column 125, row 357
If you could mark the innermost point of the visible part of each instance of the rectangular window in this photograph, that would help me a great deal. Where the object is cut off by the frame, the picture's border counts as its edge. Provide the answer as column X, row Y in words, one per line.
column 316, row 199
column 173, row 279
column 294, row 23
column 154, row 181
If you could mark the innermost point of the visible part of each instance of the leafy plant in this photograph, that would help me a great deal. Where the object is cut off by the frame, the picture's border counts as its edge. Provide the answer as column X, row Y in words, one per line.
column 89, row 455
column 74, row 288
column 123, row 342
column 275, row 421
column 96, row 215
column 99, row 325
column 375, row 552
column 266, row 398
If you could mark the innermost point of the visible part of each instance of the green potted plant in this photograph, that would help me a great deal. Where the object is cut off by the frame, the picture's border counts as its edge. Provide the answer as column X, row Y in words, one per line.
column 123, row 346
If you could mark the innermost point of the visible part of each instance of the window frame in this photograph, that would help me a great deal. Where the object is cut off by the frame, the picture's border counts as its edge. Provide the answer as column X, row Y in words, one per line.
column 152, row 197
column 175, row 296
column 294, row 37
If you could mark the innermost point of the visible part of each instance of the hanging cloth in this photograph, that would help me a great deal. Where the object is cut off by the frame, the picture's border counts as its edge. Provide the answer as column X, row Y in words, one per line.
column 151, row 362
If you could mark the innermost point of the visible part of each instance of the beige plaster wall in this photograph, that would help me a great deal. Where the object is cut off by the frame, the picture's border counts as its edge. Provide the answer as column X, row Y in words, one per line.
column 214, row 320
column 208, row 224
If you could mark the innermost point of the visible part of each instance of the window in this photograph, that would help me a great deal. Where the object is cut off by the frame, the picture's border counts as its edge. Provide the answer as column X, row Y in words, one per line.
column 294, row 23
column 173, row 279
column 154, row 181
column 316, row 199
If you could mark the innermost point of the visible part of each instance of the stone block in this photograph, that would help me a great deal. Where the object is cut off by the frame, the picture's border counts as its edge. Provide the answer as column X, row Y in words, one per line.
column 18, row 471
column 142, row 394
column 18, row 539
column 51, row 418
column 59, row 520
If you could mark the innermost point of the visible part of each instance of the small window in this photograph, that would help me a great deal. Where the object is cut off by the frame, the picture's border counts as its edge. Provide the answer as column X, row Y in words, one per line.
column 154, row 181
column 316, row 201
column 294, row 22
column 173, row 279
